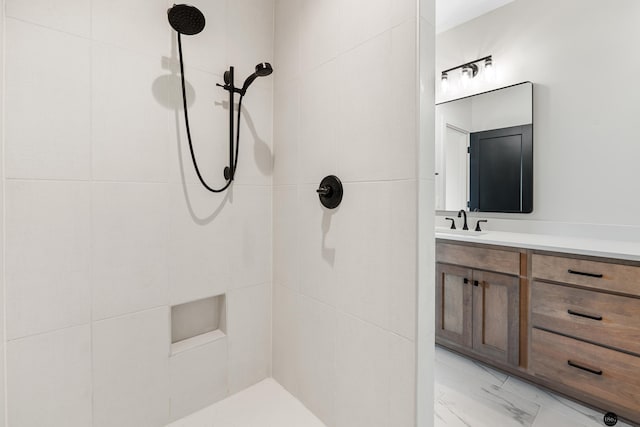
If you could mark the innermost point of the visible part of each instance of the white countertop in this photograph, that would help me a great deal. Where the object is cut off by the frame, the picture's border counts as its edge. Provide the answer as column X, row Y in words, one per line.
column 574, row 245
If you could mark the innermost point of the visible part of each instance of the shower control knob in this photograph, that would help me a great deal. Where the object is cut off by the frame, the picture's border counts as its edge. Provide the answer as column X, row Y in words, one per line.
column 330, row 192
column 324, row 191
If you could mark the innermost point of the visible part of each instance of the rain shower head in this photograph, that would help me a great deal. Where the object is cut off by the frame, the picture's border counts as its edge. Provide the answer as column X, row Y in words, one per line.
column 185, row 19
column 263, row 69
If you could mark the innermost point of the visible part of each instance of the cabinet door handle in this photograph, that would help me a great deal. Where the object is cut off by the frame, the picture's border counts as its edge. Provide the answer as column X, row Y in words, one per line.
column 476, row 283
column 465, row 281
column 588, row 316
column 582, row 273
column 584, row 368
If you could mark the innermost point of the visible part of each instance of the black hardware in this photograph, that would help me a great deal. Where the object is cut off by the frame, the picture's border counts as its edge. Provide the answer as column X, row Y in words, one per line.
column 453, row 223
column 581, row 273
column 460, row 213
column 330, row 192
column 465, row 281
column 188, row 20
column 476, row 283
column 469, row 64
column 185, row 19
column 584, row 368
column 588, row 316
column 478, row 224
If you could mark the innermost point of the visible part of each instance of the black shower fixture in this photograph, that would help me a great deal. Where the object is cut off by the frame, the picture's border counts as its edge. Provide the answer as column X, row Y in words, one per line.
column 262, row 70
column 185, row 19
column 330, row 192
column 188, row 20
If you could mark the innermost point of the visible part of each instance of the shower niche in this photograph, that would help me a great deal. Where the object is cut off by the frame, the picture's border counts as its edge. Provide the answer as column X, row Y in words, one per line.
column 198, row 322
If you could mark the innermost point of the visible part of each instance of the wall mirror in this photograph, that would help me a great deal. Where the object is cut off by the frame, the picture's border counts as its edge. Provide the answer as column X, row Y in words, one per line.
column 484, row 151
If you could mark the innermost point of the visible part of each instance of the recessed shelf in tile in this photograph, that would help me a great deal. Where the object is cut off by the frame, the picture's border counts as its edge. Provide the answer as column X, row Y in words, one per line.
column 197, row 322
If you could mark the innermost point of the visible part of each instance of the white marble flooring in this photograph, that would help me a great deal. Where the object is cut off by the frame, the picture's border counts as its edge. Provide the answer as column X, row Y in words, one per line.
column 468, row 394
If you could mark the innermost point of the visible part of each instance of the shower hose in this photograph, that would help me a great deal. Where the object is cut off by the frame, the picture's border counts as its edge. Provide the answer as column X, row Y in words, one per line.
column 232, row 168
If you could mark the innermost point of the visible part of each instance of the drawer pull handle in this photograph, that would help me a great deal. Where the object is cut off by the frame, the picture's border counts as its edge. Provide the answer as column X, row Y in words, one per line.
column 588, row 316
column 584, row 368
column 582, row 273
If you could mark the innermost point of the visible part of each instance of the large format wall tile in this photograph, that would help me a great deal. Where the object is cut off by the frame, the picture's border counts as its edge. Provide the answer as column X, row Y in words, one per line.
column 250, row 240
column 362, row 384
column 130, row 128
column 285, row 346
column 71, row 16
column 318, row 149
column 286, row 132
column 249, row 336
column 198, row 378
column 319, row 40
column 286, row 256
column 47, row 103
column 141, row 26
column 363, row 254
column 47, row 243
column 200, row 236
column 317, row 376
column 129, row 254
column 131, row 370
column 49, row 379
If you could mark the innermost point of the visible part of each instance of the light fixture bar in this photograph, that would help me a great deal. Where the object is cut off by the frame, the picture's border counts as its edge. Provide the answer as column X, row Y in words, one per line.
column 468, row 64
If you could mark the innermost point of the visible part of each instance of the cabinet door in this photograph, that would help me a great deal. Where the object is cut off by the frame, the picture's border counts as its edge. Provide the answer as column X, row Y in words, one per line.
column 454, row 293
column 496, row 316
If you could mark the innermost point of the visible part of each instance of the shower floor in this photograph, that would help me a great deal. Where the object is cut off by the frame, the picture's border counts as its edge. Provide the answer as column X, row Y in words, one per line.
column 266, row 404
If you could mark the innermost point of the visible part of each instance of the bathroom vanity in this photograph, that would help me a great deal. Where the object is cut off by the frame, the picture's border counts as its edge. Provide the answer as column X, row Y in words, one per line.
column 562, row 313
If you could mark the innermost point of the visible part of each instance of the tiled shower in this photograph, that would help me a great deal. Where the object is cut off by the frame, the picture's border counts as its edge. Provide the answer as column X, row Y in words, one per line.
column 134, row 297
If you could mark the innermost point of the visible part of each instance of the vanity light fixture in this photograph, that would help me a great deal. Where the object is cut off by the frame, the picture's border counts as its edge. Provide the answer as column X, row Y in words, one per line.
column 469, row 71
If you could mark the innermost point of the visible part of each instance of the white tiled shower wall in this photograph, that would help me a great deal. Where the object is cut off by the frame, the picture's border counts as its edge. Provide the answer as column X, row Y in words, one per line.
column 106, row 224
column 346, row 103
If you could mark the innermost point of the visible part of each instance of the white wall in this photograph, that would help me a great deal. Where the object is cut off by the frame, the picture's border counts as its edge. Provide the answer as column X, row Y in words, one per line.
column 2, row 231
column 426, row 205
column 346, row 103
column 106, row 224
column 581, row 57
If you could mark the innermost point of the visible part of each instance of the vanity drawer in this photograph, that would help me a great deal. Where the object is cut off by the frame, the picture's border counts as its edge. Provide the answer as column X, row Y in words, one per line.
column 602, row 318
column 599, row 275
column 479, row 258
column 610, row 375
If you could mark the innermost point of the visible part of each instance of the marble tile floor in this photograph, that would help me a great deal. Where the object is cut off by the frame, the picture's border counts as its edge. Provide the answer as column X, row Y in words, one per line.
column 468, row 394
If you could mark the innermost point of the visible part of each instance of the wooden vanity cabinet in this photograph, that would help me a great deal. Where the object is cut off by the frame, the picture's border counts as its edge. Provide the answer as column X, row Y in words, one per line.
column 585, row 330
column 566, row 322
column 478, row 310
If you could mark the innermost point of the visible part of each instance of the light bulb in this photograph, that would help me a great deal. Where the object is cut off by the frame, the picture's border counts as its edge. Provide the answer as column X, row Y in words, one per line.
column 466, row 76
column 444, row 82
column 489, row 70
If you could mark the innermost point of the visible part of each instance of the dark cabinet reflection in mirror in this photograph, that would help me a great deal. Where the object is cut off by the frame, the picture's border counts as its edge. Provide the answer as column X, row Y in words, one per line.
column 501, row 170
column 484, row 151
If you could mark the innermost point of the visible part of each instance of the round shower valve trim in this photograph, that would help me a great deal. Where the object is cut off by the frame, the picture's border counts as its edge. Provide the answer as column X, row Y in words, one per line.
column 330, row 192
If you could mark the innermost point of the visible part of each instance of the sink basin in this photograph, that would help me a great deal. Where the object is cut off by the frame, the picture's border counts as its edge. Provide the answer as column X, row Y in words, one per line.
column 458, row 232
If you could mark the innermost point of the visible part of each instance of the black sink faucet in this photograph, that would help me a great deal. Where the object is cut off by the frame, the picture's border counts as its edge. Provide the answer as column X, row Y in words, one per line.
column 462, row 213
